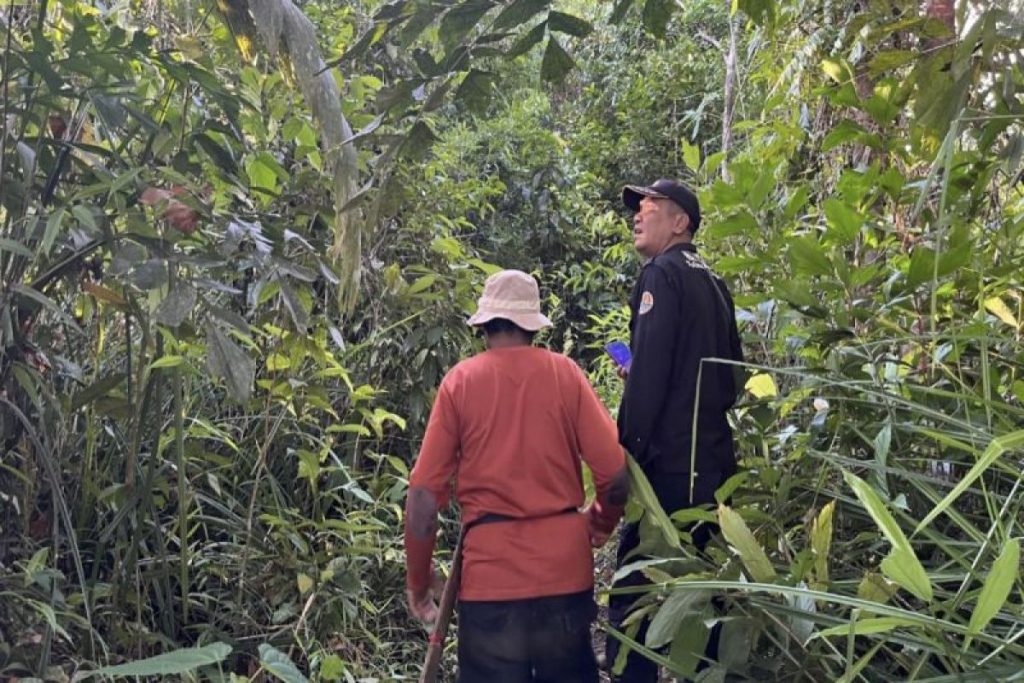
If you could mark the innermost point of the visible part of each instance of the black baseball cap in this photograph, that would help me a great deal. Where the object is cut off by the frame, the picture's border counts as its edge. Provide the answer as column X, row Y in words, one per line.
column 665, row 188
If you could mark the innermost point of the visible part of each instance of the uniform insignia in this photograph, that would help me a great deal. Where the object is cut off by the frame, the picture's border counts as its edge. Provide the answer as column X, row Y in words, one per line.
column 646, row 302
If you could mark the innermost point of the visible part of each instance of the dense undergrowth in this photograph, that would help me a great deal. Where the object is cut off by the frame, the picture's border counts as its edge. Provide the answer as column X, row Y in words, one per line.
column 203, row 446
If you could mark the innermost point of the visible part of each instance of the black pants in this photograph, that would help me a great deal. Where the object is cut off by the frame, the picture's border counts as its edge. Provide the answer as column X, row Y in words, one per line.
column 673, row 492
column 538, row 640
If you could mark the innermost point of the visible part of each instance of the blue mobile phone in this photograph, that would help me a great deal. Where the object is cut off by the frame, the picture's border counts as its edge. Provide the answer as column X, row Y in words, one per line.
column 619, row 351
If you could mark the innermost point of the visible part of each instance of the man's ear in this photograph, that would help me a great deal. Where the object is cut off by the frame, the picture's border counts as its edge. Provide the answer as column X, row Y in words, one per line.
column 682, row 223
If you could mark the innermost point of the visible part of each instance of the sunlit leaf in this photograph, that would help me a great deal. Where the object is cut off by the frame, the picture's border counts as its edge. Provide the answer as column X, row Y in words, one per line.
column 762, row 385
column 997, row 307
column 742, row 540
column 1001, row 577
column 808, row 256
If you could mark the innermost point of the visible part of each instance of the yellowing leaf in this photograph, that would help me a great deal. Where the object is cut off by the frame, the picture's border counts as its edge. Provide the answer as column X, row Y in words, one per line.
column 999, row 309
column 746, row 546
column 762, row 385
column 305, row 583
column 821, row 542
column 833, row 69
column 875, row 588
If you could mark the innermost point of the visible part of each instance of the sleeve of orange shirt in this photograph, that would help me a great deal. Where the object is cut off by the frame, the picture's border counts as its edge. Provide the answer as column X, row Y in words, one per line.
column 435, row 467
column 598, row 441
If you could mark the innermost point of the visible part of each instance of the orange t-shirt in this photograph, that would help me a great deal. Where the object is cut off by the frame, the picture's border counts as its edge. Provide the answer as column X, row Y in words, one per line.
column 510, row 426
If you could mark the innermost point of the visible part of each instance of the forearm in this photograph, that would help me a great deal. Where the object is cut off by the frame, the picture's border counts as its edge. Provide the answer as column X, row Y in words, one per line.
column 611, row 501
column 420, row 531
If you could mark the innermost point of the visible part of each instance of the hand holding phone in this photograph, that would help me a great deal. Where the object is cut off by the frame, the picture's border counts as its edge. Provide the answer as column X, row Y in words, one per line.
column 619, row 351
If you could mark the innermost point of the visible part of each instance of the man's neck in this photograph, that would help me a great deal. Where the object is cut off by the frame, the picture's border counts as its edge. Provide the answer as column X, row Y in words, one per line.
column 507, row 340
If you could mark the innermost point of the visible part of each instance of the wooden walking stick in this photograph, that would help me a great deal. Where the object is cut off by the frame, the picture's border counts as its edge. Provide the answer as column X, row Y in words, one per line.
column 445, row 609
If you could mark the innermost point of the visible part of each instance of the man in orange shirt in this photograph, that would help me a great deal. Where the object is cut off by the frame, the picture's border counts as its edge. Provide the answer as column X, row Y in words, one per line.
column 508, row 429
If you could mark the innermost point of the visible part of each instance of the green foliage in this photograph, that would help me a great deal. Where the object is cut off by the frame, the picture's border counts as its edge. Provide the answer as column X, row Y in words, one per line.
column 196, row 447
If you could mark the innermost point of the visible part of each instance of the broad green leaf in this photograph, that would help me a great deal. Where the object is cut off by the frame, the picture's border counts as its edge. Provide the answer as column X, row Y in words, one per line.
column 641, row 490
column 761, row 11
column 519, row 12
column 922, row 266
column 762, row 385
column 876, row 508
column 53, row 227
column 85, row 217
column 226, row 360
column 808, row 257
column 567, row 23
column 332, row 668
column 13, row 247
column 902, row 566
column 418, row 141
column 279, row 665
column 656, row 15
column 998, row 584
column 845, row 131
column 475, row 90
column 264, row 171
column 460, row 20
column 169, row 663
column 688, row 645
column 679, row 605
column 740, row 223
column 875, row 588
column 742, row 540
column 843, row 222
column 556, row 63
column 997, row 307
column 691, row 155
column 528, row 41
column 821, row 543
column 995, row 450
column 177, row 305
column 886, row 60
column 865, row 626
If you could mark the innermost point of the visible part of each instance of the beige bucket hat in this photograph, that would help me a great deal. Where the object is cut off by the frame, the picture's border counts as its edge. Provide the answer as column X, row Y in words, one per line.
column 512, row 295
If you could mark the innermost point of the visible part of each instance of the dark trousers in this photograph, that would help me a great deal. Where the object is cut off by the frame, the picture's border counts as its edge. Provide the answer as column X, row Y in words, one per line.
column 673, row 492
column 538, row 640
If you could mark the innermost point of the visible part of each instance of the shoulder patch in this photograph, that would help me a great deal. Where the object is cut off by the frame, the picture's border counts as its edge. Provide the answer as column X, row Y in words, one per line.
column 646, row 303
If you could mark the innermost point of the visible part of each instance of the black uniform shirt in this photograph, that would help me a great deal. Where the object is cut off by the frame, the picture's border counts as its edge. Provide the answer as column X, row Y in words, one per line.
column 681, row 312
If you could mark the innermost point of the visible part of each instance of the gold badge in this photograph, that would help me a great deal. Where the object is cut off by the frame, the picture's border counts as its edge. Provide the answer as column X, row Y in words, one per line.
column 646, row 302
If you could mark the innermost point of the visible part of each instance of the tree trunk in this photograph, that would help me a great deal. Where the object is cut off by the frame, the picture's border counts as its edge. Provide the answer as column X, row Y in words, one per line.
column 729, row 107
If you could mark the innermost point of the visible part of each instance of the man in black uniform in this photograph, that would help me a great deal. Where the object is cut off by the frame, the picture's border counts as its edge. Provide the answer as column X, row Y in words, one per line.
column 681, row 313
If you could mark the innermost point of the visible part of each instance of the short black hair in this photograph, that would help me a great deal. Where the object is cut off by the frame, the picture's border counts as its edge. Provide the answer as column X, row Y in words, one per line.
column 499, row 325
